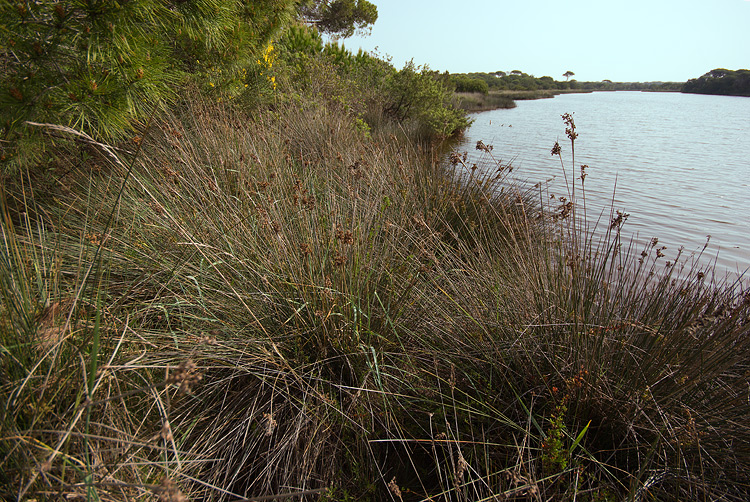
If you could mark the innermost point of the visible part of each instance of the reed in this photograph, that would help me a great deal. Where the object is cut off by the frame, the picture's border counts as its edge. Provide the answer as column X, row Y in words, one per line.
column 279, row 305
column 477, row 102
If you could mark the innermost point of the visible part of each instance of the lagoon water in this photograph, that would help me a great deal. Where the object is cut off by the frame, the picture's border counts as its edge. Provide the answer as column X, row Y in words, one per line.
column 680, row 164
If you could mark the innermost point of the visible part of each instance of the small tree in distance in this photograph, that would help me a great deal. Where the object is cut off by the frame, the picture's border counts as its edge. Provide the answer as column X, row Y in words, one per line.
column 568, row 74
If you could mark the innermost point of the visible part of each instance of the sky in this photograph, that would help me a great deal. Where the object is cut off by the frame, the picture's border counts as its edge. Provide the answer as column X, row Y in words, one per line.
column 618, row 40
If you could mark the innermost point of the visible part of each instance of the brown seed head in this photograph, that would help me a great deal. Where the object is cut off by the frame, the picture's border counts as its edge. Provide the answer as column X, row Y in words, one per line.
column 345, row 237
column 166, row 432
column 168, row 491
column 186, row 375
column 570, row 131
column 394, row 489
column 270, row 424
column 308, row 202
column 556, row 150
column 485, row 148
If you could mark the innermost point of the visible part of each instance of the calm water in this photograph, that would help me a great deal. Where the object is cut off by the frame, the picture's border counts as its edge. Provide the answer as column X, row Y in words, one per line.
column 681, row 163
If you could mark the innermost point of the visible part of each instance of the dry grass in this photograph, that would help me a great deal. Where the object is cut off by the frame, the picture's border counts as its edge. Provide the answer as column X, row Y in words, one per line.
column 277, row 304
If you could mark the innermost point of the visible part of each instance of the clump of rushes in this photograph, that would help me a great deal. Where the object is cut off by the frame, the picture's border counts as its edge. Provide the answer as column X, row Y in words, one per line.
column 277, row 305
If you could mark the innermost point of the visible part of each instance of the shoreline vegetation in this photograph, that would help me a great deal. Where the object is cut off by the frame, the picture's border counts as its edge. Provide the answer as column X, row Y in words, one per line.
column 474, row 102
column 273, row 282
column 477, row 92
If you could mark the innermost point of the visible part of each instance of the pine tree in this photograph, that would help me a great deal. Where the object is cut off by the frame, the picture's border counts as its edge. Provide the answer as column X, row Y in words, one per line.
column 102, row 65
column 341, row 18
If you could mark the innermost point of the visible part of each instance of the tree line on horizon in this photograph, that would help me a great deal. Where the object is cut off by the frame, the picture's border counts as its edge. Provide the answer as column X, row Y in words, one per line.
column 719, row 81
column 517, row 80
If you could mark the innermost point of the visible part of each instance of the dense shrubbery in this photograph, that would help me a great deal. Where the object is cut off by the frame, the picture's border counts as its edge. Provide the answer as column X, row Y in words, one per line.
column 413, row 96
column 720, row 81
column 102, row 67
column 465, row 83
column 518, row 81
column 99, row 66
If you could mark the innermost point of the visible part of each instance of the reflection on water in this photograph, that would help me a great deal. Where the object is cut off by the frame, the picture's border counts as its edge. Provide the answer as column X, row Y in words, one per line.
column 679, row 164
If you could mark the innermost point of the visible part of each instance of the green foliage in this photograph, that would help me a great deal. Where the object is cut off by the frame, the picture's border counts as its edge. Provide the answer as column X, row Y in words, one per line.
column 91, row 65
column 228, row 36
column 520, row 81
column 103, row 65
column 369, row 86
column 415, row 94
column 720, row 81
column 465, row 83
column 555, row 455
column 299, row 39
column 515, row 80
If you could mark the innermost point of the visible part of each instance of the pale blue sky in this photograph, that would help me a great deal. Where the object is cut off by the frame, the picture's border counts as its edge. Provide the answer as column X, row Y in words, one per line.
column 619, row 40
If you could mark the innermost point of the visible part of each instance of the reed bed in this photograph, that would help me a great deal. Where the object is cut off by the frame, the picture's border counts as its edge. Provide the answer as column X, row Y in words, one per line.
column 476, row 101
column 280, row 306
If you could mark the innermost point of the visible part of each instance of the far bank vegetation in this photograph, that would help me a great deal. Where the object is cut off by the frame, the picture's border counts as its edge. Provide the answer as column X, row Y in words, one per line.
column 500, row 89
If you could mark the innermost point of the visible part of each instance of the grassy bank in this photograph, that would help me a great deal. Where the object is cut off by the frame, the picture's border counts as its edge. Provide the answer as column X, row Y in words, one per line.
column 480, row 102
column 493, row 100
column 271, row 304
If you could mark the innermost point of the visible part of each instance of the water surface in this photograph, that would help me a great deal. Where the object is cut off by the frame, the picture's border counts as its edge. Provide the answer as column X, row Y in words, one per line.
column 680, row 163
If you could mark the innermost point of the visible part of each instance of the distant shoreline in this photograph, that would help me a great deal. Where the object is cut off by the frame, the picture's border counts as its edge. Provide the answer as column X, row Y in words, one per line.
column 475, row 102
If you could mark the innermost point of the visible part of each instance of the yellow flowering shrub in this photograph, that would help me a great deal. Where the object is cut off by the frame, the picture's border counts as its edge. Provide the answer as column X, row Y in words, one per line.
column 269, row 56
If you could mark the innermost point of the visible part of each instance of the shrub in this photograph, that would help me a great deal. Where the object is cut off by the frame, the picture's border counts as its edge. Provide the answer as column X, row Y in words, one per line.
column 464, row 83
column 371, row 87
column 415, row 95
